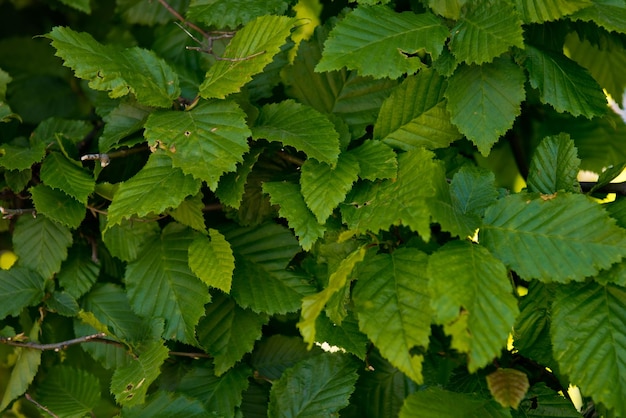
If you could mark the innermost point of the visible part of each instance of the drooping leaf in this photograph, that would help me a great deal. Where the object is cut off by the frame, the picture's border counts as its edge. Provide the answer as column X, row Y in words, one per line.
column 228, row 331
column 485, row 31
column 608, row 14
column 168, row 404
column 508, row 386
column 477, row 308
column 539, row 11
column 319, row 386
column 376, row 160
column 69, row 392
column 57, row 205
column 79, row 271
column 564, row 84
column 205, row 142
column 437, row 402
column 484, row 100
column 415, row 114
column 277, row 353
column 394, row 38
column 230, row 14
column 392, row 304
column 301, row 127
column 20, row 287
column 250, row 50
column 560, row 238
column 155, row 188
column 593, row 351
column 125, row 240
column 231, row 186
column 60, row 173
column 126, row 119
column 41, row 244
column 554, row 166
column 212, row 260
column 181, row 296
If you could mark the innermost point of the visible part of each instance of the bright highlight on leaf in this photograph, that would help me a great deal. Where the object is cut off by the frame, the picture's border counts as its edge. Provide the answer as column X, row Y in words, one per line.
column 212, row 260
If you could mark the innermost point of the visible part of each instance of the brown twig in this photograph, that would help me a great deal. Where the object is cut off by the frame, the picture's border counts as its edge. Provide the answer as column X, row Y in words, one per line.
column 40, row 406
column 182, row 19
column 10, row 213
column 105, row 158
column 99, row 337
column 194, row 356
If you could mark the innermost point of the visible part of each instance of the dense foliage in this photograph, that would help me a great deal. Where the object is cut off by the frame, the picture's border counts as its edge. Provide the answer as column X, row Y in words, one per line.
column 205, row 195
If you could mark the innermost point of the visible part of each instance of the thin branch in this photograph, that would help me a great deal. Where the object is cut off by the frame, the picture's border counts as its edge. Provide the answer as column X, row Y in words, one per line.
column 194, row 356
column 290, row 158
column 182, row 19
column 10, row 213
column 105, row 158
column 40, row 406
column 57, row 346
column 212, row 207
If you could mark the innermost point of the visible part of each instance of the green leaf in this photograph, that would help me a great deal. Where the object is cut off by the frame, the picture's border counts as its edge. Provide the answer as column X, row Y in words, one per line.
column 478, row 308
column 205, row 142
column 231, row 187
column 486, row 31
column 345, row 336
column 508, row 386
column 394, row 38
column 250, row 50
column 80, row 5
column 277, row 353
column 588, row 325
column 564, row 84
column 319, row 386
column 293, row 208
column 60, row 173
column 124, row 120
column 376, row 206
column 228, row 332
column 17, row 180
column 57, row 205
column 392, row 303
column 181, row 296
column 125, row 240
column 144, row 12
column 485, row 100
column 313, row 305
column 543, row 402
column 133, row 70
column 437, row 402
column 415, row 114
column 79, row 272
column 539, row 11
column 62, row 303
column 554, row 166
column 131, row 382
column 143, row 193
column 20, row 287
column 376, row 160
column 41, row 244
column 230, row 14
column 212, row 260
column 301, row 127
column 21, row 157
column 568, row 237
column 190, row 213
column 608, row 14
column 69, row 392
column 167, row 404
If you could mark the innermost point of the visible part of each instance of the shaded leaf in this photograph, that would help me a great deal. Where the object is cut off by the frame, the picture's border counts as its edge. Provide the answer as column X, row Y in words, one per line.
column 20, row 287
column 376, row 160
column 60, row 173
column 231, row 186
column 79, row 271
column 125, row 240
column 57, row 205
column 554, row 166
column 230, row 14
column 345, row 335
column 69, row 392
column 608, row 14
column 62, row 303
column 212, row 260
column 22, row 156
column 508, row 386
column 277, row 353
column 437, row 402
column 168, row 404
column 124, row 120
column 543, row 402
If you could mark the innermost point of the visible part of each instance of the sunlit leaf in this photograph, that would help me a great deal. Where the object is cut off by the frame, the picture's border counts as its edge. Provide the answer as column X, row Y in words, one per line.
column 538, row 11
column 60, row 173
column 212, row 260
column 554, row 166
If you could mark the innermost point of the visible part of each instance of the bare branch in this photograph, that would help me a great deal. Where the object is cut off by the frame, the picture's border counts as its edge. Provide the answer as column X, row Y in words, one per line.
column 40, row 406
column 60, row 345
column 10, row 213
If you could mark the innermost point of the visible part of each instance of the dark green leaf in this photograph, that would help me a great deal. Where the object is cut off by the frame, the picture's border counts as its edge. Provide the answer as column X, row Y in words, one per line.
column 231, row 186
column 79, row 271
column 126, row 119
column 126, row 239
column 57, row 205
column 20, row 287
column 436, row 402
column 230, row 14
column 167, row 404
column 554, row 166
column 69, row 392
column 277, row 353
column 60, row 173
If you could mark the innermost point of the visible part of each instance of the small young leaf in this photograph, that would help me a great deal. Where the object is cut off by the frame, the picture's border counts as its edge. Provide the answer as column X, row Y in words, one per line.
column 508, row 386
column 212, row 261
column 554, row 166
column 69, row 392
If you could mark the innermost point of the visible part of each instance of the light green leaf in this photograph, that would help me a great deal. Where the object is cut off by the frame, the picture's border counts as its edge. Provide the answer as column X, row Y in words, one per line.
column 60, row 173
column 554, row 166
column 301, row 127
column 155, row 188
column 205, row 142
column 181, row 296
column 393, row 38
column 293, row 208
column 190, row 213
column 440, row 403
column 487, row 30
column 588, row 323
column 167, row 404
column 212, row 261
column 392, row 304
column 20, row 287
column 609, row 14
column 144, row 12
column 277, row 353
column 539, row 11
column 125, row 240
column 228, row 331
column 564, row 84
column 313, row 305
column 231, row 14
column 450, row 9
column 478, row 308
column 318, row 387
column 568, row 237
column 131, row 382
column 250, row 50
column 17, row 180
column 231, row 186
column 57, row 205
column 20, row 156
column 126, row 119
column 485, row 100
column 79, row 271
column 415, row 114
column 57, row 129
column 376, row 160
column 133, row 70
column 69, row 392
column 324, row 187
column 41, row 244
column 376, row 206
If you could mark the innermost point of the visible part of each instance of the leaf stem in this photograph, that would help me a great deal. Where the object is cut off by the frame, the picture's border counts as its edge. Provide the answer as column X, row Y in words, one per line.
column 40, row 406
column 8, row 213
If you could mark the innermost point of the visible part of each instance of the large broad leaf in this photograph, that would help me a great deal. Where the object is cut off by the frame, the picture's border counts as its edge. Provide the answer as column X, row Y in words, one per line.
column 250, row 50
column 167, row 404
column 564, row 84
column 554, row 166
column 41, row 244
column 415, row 114
column 230, row 14
column 477, row 308
column 539, row 11
column 437, row 402
column 376, row 160
column 301, row 127
column 228, row 331
column 79, row 272
column 609, row 14
column 567, row 237
column 125, row 240
column 486, row 31
column 319, row 386
column 20, row 287
column 205, row 142
column 160, row 284
column 57, row 205
column 60, row 173
column 485, row 100
column 69, row 392
column 393, row 307
column 592, row 353
column 144, row 194
column 212, row 260
column 133, row 70
column 394, row 38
